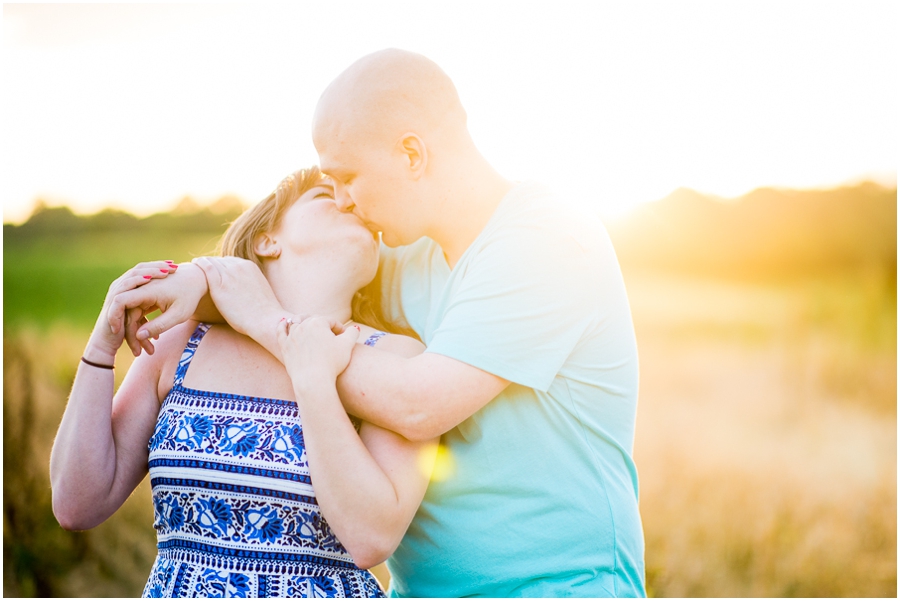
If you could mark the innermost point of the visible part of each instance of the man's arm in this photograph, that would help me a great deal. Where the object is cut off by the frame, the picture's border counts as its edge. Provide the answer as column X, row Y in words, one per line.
column 419, row 397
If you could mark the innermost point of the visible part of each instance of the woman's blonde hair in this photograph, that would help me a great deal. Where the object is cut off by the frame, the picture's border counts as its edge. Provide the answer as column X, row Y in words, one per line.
column 266, row 215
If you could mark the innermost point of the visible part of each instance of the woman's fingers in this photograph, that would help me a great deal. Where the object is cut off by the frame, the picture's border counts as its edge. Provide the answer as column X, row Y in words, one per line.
column 150, row 270
column 130, row 281
column 146, row 344
column 132, row 322
column 349, row 336
column 135, row 277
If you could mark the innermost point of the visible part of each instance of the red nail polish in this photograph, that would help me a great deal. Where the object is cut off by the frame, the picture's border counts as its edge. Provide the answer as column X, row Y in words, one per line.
column 147, row 277
column 164, row 270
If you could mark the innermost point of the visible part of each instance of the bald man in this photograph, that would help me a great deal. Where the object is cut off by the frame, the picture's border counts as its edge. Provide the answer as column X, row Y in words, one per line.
column 530, row 374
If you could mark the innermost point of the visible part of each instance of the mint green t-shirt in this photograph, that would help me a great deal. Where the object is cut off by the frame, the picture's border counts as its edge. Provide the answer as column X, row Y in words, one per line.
column 542, row 497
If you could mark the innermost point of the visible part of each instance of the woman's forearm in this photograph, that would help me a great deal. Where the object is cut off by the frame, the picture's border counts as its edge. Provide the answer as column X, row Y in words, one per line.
column 100, row 451
column 357, row 498
column 83, row 460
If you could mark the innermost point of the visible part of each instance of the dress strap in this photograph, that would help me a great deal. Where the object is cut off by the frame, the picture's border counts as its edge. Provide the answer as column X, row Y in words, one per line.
column 371, row 340
column 189, row 351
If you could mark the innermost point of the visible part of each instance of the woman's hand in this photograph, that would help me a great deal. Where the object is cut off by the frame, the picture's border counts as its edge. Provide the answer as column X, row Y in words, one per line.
column 312, row 352
column 105, row 341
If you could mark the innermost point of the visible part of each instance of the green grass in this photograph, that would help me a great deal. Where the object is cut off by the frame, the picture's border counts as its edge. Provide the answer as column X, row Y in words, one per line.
column 48, row 279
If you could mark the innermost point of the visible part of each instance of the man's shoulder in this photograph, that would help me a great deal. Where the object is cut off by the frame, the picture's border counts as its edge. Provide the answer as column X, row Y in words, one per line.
column 548, row 218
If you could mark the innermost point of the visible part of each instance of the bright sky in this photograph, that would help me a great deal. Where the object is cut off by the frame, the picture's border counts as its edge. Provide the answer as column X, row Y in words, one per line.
column 136, row 106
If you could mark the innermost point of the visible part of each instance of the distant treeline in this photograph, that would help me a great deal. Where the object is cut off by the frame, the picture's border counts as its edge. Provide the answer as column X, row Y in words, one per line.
column 768, row 233
column 187, row 216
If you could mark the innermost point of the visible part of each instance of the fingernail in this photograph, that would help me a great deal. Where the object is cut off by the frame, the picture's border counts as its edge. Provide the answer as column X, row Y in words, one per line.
column 143, row 335
column 169, row 262
column 164, row 270
column 147, row 277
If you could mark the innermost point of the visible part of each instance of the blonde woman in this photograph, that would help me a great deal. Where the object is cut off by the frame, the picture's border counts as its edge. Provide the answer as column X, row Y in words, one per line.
column 262, row 484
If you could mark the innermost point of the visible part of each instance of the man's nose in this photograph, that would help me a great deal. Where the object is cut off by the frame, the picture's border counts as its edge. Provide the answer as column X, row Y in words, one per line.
column 343, row 201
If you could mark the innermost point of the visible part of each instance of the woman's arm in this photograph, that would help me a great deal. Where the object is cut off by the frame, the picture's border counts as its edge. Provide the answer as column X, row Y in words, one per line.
column 100, row 452
column 370, row 484
column 181, row 297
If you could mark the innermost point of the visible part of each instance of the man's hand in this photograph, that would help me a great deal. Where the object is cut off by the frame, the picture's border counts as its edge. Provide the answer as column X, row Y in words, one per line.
column 177, row 296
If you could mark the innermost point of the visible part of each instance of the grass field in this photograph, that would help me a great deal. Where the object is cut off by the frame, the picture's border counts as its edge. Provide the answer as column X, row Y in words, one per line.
column 766, row 434
column 65, row 277
column 766, row 438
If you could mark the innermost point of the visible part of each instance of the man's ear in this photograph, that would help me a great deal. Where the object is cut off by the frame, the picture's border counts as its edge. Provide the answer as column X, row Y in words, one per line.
column 266, row 246
column 413, row 147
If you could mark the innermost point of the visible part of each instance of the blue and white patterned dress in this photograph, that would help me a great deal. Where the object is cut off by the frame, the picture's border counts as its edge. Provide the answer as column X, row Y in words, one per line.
column 235, row 511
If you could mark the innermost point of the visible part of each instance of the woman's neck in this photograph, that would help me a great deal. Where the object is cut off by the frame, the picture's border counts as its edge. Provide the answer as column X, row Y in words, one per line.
column 311, row 286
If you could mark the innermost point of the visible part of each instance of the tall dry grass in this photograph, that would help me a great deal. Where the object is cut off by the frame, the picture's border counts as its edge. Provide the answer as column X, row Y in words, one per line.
column 40, row 558
column 766, row 446
column 766, row 437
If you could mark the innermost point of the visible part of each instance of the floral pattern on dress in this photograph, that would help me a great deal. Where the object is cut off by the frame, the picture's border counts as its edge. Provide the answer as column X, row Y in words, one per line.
column 317, row 587
column 234, row 509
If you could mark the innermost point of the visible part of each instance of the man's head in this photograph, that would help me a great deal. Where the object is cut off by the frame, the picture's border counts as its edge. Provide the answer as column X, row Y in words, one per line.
column 388, row 131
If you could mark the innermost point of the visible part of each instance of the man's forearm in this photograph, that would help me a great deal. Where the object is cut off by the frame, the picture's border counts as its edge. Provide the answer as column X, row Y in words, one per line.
column 417, row 397
column 371, row 389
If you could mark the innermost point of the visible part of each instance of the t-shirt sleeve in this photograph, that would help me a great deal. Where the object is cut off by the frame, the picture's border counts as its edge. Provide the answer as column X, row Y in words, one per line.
column 521, row 307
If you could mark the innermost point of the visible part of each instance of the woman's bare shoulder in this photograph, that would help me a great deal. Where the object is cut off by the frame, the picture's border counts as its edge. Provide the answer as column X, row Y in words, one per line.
column 168, row 350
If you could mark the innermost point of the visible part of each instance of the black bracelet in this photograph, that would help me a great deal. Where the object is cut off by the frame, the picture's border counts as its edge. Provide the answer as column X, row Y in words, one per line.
column 100, row 365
